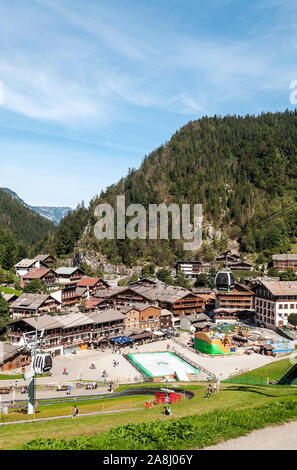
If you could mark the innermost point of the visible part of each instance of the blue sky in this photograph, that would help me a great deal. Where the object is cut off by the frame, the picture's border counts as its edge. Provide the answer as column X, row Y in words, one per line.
column 92, row 86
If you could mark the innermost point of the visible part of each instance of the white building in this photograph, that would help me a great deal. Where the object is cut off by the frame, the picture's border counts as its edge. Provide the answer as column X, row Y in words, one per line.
column 275, row 301
column 26, row 265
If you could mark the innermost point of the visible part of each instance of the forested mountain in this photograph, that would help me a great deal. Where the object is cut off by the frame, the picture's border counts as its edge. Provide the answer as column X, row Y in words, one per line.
column 241, row 169
column 20, row 230
column 53, row 214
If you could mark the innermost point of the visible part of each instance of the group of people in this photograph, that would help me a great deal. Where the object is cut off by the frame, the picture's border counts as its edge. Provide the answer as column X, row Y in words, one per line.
column 92, row 386
column 213, row 389
column 116, row 363
column 116, row 351
column 66, row 371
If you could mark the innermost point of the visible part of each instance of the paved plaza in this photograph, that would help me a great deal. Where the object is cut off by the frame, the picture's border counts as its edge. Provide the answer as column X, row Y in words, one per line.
column 271, row 438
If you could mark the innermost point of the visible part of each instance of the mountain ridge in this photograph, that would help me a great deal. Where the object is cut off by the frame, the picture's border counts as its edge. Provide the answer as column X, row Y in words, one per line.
column 240, row 168
column 51, row 213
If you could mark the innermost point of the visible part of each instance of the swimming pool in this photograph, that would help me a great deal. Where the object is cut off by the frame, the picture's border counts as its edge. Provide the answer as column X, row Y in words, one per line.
column 162, row 364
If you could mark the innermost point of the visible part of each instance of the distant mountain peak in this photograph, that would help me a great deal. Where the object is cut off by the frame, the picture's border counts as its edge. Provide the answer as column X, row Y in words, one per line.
column 53, row 214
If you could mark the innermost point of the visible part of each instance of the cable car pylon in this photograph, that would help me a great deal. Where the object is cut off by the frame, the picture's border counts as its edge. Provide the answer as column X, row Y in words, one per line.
column 40, row 362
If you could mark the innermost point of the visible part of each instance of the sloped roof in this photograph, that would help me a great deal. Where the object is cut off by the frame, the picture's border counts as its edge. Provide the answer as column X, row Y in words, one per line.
column 105, row 316
column 66, row 271
column 25, row 263
column 285, row 257
column 43, row 322
column 42, row 257
column 88, row 282
column 7, row 350
column 30, row 301
column 37, row 273
column 281, row 287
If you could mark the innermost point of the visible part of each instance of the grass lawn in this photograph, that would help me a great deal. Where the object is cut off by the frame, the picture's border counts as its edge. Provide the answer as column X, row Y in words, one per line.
column 231, row 397
column 274, row 371
column 8, row 290
column 17, row 376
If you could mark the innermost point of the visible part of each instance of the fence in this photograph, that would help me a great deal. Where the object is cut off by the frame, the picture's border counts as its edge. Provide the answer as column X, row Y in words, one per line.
column 249, row 380
column 192, row 363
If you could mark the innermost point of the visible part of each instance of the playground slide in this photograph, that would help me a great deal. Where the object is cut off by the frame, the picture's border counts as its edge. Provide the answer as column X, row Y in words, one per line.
column 182, row 376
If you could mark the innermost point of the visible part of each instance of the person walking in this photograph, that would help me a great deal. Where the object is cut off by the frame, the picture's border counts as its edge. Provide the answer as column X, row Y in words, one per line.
column 75, row 412
column 209, row 391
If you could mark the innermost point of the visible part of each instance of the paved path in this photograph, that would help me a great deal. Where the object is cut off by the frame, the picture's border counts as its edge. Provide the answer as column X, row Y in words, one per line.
column 283, row 437
column 68, row 416
column 223, row 366
column 79, row 365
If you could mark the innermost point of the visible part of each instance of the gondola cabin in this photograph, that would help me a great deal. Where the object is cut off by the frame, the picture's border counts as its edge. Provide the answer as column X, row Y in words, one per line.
column 43, row 362
column 225, row 281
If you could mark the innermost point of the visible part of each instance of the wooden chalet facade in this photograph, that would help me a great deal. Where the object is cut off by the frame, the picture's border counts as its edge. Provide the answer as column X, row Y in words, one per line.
column 66, row 275
column 240, row 298
column 73, row 331
column 45, row 275
column 33, row 304
column 93, row 284
column 286, row 261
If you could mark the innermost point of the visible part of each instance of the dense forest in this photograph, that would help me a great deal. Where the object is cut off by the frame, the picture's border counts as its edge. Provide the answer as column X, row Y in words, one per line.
column 20, row 230
column 241, row 169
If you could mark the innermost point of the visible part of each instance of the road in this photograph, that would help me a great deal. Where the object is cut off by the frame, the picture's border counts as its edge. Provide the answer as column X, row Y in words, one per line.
column 271, row 438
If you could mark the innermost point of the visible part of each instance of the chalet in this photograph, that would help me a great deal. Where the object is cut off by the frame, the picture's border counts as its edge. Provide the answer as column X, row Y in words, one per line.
column 96, row 304
column 66, row 275
column 93, row 284
column 124, row 296
column 165, row 319
column 175, row 299
column 182, row 304
column 132, row 314
column 72, row 295
column 47, row 259
column 33, row 304
column 274, row 302
column 26, row 265
column 283, row 262
column 208, row 295
column 143, row 316
column 233, row 314
column 11, row 357
column 145, row 282
column 229, row 257
column 10, row 298
column 192, row 269
column 149, row 317
column 45, row 275
column 234, row 262
column 241, row 298
column 191, row 320
column 71, row 332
